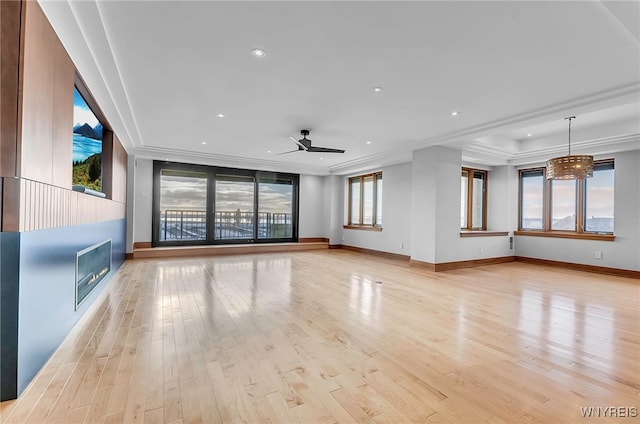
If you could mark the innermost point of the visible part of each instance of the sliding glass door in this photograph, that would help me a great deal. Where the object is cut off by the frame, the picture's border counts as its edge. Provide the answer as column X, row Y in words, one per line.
column 275, row 209
column 195, row 204
column 183, row 205
column 234, row 208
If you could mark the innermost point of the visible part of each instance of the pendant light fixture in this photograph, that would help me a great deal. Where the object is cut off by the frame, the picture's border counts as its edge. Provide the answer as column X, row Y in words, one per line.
column 570, row 167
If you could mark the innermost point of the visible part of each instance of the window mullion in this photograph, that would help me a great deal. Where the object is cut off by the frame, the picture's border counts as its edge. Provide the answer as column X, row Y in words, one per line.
column 361, row 201
column 580, row 205
column 546, row 201
column 374, row 204
column 469, row 199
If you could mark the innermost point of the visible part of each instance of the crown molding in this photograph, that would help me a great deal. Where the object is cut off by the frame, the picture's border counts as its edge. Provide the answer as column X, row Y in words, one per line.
column 622, row 94
column 199, row 158
column 376, row 160
column 600, row 146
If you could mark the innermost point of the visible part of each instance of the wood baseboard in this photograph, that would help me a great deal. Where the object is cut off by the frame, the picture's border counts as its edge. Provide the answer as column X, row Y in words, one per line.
column 335, row 246
column 376, row 252
column 447, row 266
column 421, row 264
column 313, row 240
column 141, row 245
column 236, row 249
column 128, row 256
column 581, row 267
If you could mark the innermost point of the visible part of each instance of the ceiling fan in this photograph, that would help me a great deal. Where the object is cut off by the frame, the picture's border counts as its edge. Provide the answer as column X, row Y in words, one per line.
column 305, row 144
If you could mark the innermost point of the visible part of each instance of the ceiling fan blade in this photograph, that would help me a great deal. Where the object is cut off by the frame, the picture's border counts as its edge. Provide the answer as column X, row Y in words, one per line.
column 324, row 150
column 301, row 146
column 290, row 151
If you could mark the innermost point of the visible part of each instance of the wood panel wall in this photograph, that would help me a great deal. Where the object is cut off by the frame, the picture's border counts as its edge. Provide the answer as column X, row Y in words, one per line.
column 46, row 104
column 36, row 118
column 45, row 206
column 10, row 24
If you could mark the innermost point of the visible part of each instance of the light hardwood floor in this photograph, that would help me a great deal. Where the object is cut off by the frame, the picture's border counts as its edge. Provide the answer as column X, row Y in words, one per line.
column 313, row 337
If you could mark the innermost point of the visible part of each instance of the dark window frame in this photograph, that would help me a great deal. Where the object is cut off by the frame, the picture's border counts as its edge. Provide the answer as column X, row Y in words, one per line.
column 211, row 172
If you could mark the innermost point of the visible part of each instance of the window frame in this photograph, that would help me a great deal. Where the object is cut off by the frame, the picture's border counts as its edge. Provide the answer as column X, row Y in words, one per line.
column 374, row 205
column 212, row 172
column 470, row 175
column 547, row 207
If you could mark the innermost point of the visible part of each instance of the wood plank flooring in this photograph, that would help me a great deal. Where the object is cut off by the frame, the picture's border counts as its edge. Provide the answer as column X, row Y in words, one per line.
column 336, row 336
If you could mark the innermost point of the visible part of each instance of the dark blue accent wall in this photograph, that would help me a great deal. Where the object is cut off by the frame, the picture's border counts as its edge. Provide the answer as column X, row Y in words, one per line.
column 9, row 285
column 47, row 288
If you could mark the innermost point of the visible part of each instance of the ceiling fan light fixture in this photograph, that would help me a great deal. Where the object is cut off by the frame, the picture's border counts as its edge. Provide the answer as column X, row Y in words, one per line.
column 570, row 167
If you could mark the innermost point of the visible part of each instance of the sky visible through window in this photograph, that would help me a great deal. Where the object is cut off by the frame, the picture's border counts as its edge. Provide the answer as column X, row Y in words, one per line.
column 190, row 193
column 599, row 211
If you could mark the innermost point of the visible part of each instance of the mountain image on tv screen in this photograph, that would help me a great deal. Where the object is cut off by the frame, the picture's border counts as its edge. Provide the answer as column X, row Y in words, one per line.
column 87, row 145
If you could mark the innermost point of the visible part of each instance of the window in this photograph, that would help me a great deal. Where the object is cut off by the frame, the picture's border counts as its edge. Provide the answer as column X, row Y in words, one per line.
column 580, row 206
column 212, row 205
column 473, row 199
column 599, row 199
column 365, row 200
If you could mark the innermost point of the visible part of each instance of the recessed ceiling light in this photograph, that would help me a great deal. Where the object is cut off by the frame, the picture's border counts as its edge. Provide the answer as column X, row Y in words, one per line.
column 258, row 53
column 221, row 115
column 367, row 142
column 454, row 113
column 268, row 151
column 529, row 134
column 377, row 89
column 204, row 142
column 321, row 158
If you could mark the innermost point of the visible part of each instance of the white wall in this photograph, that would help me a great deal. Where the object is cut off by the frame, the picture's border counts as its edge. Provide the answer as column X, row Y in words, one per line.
column 313, row 212
column 438, row 169
column 624, row 251
column 143, row 197
column 314, row 209
column 334, row 191
column 396, row 213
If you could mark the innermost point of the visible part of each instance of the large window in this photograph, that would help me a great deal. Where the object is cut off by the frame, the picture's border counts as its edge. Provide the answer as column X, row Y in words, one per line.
column 212, row 205
column 580, row 206
column 473, row 199
column 365, row 201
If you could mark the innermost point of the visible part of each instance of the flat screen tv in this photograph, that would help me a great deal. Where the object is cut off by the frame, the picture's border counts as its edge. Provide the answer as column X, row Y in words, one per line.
column 87, row 145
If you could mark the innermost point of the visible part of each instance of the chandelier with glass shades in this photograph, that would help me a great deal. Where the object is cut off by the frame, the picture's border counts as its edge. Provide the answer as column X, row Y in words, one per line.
column 570, row 167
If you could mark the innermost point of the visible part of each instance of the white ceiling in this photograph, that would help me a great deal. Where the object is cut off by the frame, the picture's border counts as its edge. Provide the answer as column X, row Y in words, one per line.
column 161, row 71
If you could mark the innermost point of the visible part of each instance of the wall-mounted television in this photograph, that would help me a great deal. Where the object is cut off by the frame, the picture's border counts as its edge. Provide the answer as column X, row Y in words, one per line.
column 87, row 145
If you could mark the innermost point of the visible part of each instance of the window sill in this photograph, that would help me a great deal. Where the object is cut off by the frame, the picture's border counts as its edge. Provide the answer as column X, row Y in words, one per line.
column 482, row 233
column 362, row 227
column 567, row 234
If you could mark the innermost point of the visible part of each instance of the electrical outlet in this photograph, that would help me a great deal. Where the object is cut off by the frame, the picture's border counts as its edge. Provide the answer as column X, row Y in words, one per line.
column 481, row 250
column 598, row 254
column 402, row 245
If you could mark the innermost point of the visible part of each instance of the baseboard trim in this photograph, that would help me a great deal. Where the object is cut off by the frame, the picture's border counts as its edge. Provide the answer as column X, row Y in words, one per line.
column 128, row 256
column 421, row 264
column 447, row 266
column 335, row 246
column 375, row 252
column 313, row 240
column 234, row 249
column 581, row 267
column 141, row 245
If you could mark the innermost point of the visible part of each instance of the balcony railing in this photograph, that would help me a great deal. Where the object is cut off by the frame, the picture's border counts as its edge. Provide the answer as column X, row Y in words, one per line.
column 184, row 225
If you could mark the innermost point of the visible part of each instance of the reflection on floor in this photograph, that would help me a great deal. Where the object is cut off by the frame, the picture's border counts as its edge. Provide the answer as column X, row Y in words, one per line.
column 336, row 336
